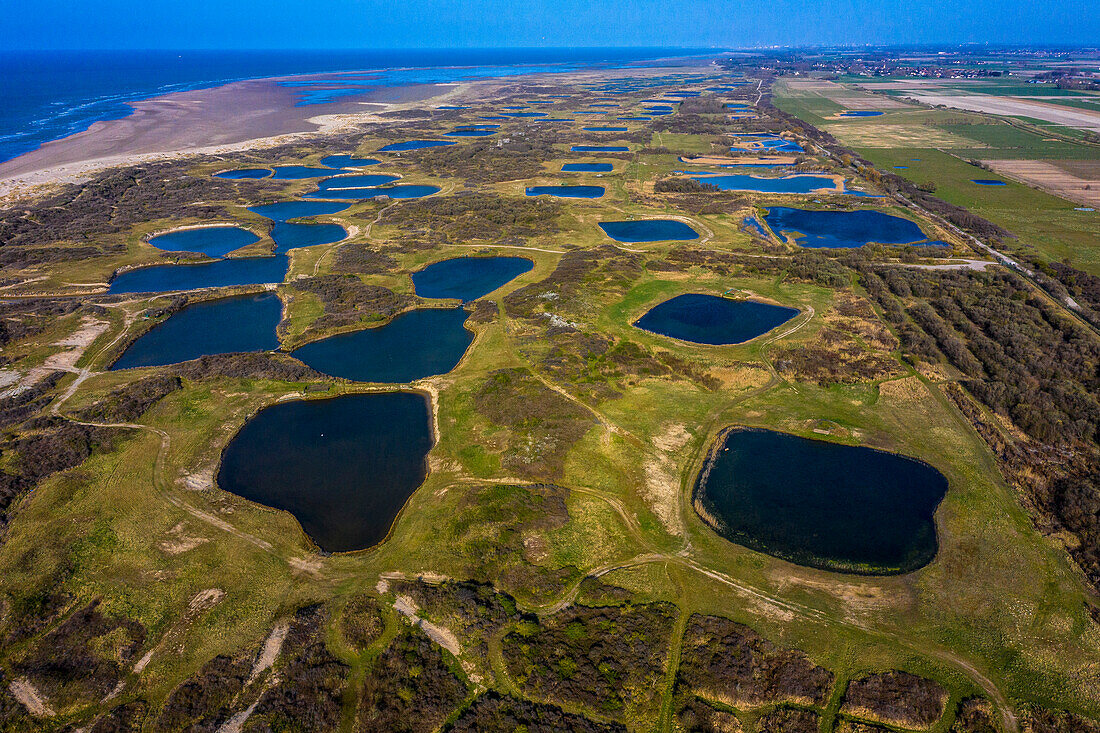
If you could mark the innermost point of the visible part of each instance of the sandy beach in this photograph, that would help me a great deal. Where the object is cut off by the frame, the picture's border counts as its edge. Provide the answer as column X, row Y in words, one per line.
column 235, row 116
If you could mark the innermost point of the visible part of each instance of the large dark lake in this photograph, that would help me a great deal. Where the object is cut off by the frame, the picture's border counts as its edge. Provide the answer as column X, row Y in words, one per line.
column 816, row 229
column 414, row 345
column 648, row 230
column 468, row 278
column 343, row 467
column 822, row 504
column 226, row 326
column 708, row 319
column 217, row 274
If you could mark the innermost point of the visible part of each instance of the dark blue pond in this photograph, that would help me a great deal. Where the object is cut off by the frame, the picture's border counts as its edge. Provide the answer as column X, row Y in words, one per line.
column 604, row 129
column 287, row 210
column 587, row 167
column 772, row 145
column 842, row 228
column 394, row 192
column 600, row 149
column 708, row 319
column 988, row 182
column 210, row 241
column 567, row 192
column 414, row 145
column 226, row 326
column 750, row 222
column 217, row 274
column 640, row 119
column 344, row 467
column 295, row 172
column 491, row 117
column 291, row 236
column 347, row 161
column 359, row 180
column 860, row 113
column 648, row 230
column 789, row 184
column 244, row 173
column 413, row 345
column 470, row 133
column 468, row 278
column 822, row 504
column 524, row 114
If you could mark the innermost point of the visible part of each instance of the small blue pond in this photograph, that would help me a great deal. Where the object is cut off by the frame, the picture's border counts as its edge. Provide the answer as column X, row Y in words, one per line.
column 491, row 117
column 860, row 113
column 414, row 345
column 524, row 114
column 468, row 278
column 217, row 274
column 842, row 228
column 394, row 192
column 788, row 184
column 587, row 167
column 291, row 236
column 244, row 173
column 296, row 172
column 639, row 119
column 344, row 467
column 470, row 133
column 708, row 319
column 648, row 230
column 348, row 161
column 361, row 180
column 226, row 326
column 210, row 241
column 287, row 210
column 600, row 149
column 567, row 192
column 414, row 145
column 988, row 182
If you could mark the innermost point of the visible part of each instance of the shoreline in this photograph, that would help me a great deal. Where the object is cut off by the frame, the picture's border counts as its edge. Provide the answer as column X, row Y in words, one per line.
column 230, row 118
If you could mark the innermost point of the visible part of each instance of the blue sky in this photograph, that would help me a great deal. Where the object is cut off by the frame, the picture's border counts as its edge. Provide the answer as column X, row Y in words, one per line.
column 526, row 23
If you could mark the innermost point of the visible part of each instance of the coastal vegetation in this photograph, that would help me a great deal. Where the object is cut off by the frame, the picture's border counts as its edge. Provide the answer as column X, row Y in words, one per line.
column 458, row 490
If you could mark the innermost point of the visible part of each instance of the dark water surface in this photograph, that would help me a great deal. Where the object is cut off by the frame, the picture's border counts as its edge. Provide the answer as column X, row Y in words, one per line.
column 217, row 274
column 709, row 319
column 567, row 192
column 823, row 504
column 414, row 145
column 843, row 228
column 587, row 167
column 414, row 345
column 468, row 278
column 287, row 210
column 226, row 326
column 343, row 467
column 648, row 230
column 210, row 241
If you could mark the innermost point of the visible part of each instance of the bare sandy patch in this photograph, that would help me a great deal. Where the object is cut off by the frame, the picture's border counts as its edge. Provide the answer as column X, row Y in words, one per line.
column 73, row 347
column 273, row 644
column 444, row 637
column 29, row 696
column 178, row 541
